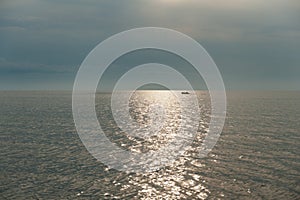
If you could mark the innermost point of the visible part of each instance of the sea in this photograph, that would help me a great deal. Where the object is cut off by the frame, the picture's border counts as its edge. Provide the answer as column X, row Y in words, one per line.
column 256, row 156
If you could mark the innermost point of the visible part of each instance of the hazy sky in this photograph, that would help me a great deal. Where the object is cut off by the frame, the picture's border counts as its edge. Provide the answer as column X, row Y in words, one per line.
column 255, row 43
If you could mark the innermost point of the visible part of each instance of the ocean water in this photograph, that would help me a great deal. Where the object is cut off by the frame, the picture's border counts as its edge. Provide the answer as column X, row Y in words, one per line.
column 256, row 157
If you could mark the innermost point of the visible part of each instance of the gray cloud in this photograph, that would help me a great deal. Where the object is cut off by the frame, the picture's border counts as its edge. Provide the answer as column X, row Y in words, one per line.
column 253, row 42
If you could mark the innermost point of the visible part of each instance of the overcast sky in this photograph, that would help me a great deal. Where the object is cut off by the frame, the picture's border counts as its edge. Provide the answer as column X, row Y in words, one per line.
column 255, row 43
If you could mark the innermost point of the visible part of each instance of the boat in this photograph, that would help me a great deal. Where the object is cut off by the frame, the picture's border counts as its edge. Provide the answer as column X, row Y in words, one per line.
column 185, row 92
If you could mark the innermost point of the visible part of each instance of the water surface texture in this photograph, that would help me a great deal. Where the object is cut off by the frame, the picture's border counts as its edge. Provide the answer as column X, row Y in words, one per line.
column 256, row 157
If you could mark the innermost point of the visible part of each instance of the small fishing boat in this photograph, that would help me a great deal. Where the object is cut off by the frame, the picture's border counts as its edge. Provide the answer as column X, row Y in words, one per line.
column 185, row 92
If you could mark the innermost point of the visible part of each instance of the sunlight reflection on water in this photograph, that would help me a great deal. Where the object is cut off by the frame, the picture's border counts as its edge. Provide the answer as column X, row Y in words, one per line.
column 256, row 157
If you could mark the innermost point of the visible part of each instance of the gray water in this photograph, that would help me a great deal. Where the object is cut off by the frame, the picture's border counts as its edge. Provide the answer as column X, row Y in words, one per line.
column 256, row 157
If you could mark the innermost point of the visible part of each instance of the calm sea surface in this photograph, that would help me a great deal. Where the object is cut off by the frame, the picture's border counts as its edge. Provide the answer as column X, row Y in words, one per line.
column 256, row 157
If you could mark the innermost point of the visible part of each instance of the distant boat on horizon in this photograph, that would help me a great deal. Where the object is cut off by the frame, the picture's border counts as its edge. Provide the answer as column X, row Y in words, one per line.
column 185, row 92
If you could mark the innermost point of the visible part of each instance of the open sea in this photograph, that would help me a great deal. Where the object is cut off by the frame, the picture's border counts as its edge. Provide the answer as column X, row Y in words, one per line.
column 256, row 157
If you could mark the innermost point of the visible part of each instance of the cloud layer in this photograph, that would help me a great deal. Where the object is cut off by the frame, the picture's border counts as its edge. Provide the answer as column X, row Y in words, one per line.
column 255, row 43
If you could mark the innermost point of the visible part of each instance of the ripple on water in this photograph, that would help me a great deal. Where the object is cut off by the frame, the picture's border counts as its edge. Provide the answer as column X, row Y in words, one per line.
column 256, row 157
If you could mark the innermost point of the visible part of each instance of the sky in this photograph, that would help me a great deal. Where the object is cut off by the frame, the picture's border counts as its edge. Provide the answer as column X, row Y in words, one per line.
column 255, row 44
